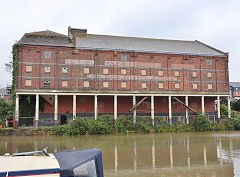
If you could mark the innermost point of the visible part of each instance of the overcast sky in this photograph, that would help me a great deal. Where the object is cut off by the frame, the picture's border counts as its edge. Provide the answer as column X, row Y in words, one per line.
column 215, row 22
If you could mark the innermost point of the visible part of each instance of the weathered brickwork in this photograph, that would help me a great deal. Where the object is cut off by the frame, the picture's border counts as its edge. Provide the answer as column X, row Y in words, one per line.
column 141, row 71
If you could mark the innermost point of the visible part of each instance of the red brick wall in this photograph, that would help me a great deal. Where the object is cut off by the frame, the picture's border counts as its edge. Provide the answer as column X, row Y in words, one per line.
column 152, row 62
column 85, row 104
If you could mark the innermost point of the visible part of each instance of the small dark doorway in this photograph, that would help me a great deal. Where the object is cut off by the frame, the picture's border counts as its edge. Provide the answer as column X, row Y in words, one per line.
column 63, row 120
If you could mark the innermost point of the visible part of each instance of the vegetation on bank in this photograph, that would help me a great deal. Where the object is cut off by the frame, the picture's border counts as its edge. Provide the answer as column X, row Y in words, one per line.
column 124, row 125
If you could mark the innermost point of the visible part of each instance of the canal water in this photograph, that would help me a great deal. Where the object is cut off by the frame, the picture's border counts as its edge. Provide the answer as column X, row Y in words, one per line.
column 151, row 155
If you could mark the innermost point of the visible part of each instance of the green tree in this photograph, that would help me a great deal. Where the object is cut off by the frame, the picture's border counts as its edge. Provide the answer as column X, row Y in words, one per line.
column 235, row 105
column 224, row 109
column 5, row 110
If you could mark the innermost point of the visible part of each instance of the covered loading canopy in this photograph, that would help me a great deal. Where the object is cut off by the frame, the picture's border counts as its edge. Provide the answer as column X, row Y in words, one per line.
column 81, row 163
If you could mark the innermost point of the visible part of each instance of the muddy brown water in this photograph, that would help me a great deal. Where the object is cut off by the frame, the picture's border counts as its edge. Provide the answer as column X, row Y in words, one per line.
column 160, row 155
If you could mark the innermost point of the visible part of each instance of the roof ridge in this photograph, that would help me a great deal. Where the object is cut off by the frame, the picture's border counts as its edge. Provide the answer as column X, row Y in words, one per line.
column 141, row 38
column 47, row 33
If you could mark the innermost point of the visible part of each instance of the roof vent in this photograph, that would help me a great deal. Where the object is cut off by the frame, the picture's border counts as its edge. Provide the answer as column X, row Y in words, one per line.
column 78, row 31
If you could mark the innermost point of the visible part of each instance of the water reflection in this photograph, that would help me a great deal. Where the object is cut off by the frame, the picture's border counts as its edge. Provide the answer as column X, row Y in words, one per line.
column 207, row 154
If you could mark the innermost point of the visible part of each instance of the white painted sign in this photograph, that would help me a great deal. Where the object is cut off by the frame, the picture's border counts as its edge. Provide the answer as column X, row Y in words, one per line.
column 78, row 62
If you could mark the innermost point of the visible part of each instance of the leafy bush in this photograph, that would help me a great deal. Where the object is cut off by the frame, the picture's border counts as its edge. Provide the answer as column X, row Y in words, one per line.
column 106, row 125
column 236, row 123
column 202, row 123
column 143, row 127
column 124, row 124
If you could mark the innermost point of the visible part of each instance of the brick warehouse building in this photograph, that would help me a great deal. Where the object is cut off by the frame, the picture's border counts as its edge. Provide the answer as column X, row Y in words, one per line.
column 86, row 75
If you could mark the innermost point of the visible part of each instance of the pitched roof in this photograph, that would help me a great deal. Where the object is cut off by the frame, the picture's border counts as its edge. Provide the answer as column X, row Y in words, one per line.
column 146, row 45
column 234, row 84
column 48, row 38
column 108, row 42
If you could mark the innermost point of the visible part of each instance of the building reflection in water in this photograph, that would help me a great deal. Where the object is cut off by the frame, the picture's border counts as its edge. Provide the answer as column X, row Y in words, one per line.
column 148, row 155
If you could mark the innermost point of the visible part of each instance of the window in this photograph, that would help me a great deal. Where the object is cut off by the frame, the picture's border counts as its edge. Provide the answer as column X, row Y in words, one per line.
column 105, row 84
column 124, row 57
column 47, row 69
column 144, row 85
column 209, row 86
column 160, row 73
column 28, row 68
column 87, row 169
column 209, row 62
column 86, row 84
column 160, row 85
column 46, row 83
column 64, row 83
column 236, row 88
column 176, row 73
column 105, row 71
column 194, row 85
column 209, row 74
column 47, row 54
column 177, row 85
column 86, row 70
column 123, row 71
column 143, row 72
column 124, row 84
column 28, row 82
column 236, row 93
column 64, row 69
column 194, row 74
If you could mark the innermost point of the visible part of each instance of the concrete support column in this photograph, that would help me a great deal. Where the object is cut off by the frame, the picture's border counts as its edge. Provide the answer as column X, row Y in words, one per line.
column 229, row 108
column 170, row 109
column 203, row 106
column 115, row 107
column 134, row 111
column 56, row 110
column 187, row 116
column 17, row 111
column 36, row 111
column 95, row 107
column 218, row 108
column 152, row 109
column 74, row 106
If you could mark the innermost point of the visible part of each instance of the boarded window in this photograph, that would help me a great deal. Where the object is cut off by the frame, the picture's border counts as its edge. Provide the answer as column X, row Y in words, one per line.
column 64, row 69
column 144, row 85
column 209, row 74
column 209, row 62
column 86, row 84
column 194, row 85
column 86, row 70
column 177, row 86
column 124, row 57
column 105, row 71
column 160, row 85
column 28, row 68
column 105, row 84
column 176, row 73
column 47, row 54
column 124, row 84
column 160, row 73
column 143, row 72
column 209, row 86
column 194, row 74
column 64, row 83
column 123, row 71
column 47, row 69
column 46, row 83
column 28, row 83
